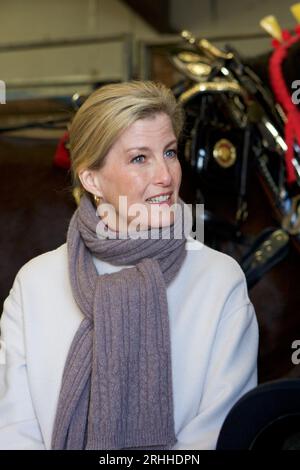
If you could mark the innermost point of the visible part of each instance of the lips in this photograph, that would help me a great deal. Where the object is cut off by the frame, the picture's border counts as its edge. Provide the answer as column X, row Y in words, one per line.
column 160, row 194
column 160, row 201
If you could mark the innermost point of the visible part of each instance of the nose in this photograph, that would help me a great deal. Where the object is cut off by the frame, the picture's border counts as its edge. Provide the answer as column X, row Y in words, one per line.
column 163, row 174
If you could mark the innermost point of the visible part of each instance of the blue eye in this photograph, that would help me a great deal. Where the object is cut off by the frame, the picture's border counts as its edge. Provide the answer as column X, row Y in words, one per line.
column 138, row 159
column 171, row 153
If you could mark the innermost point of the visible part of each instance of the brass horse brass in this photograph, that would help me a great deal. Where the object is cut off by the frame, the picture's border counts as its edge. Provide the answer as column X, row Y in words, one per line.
column 225, row 153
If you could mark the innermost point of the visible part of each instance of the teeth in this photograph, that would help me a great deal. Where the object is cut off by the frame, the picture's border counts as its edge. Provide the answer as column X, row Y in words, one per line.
column 159, row 198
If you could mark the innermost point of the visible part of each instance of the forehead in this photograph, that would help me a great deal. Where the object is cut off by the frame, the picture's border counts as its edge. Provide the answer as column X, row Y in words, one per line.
column 148, row 130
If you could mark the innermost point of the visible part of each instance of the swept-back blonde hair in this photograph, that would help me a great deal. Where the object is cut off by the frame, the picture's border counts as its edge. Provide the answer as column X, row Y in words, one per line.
column 110, row 110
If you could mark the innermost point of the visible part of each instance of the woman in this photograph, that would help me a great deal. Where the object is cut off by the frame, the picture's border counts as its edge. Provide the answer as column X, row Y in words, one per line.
column 127, row 336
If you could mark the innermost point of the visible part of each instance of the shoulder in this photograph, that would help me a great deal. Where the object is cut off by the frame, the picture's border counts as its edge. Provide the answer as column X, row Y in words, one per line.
column 214, row 275
column 205, row 259
column 48, row 265
column 43, row 288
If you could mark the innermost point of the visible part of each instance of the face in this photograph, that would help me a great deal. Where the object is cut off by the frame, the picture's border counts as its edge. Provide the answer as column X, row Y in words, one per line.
column 143, row 166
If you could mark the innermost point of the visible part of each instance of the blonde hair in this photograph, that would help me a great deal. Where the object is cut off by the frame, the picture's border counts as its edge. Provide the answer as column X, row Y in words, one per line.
column 110, row 110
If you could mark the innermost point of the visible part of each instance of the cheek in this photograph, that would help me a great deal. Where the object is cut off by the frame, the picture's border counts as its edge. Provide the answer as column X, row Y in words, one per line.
column 131, row 186
column 114, row 184
column 136, row 183
column 177, row 173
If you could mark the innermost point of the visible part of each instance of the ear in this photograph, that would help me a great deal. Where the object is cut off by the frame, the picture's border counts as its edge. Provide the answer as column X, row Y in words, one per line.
column 90, row 181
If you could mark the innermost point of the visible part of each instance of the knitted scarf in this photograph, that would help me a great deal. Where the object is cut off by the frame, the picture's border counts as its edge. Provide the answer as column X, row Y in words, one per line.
column 116, row 389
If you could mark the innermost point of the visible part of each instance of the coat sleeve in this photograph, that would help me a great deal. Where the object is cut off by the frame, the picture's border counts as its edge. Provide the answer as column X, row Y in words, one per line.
column 19, row 428
column 232, row 372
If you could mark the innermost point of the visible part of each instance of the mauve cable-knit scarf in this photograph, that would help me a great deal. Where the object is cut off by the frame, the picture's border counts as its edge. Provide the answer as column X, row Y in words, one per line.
column 116, row 389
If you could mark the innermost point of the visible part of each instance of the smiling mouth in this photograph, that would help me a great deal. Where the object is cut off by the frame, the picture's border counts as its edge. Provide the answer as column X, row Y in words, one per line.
column 162, row 199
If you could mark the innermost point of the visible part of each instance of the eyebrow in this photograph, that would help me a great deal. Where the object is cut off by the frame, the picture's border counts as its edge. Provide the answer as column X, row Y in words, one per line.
column 174, row 141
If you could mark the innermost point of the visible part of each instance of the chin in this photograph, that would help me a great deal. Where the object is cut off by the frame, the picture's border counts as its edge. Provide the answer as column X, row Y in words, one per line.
column 161, row 222
column 161, row 217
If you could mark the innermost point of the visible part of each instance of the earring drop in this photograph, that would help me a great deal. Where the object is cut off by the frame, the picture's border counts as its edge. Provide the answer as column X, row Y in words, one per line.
column 97, row 200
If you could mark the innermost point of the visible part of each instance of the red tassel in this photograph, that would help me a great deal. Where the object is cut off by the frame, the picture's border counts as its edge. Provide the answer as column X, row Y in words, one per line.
column 275, row 43
column 62, row 154
column 286, row 35
column 292, row 127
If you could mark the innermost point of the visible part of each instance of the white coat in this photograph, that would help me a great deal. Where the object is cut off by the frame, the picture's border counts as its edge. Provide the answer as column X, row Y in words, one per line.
column 214, row 339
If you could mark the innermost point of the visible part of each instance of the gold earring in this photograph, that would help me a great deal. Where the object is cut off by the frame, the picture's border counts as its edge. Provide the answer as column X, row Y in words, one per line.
column 97, row 200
